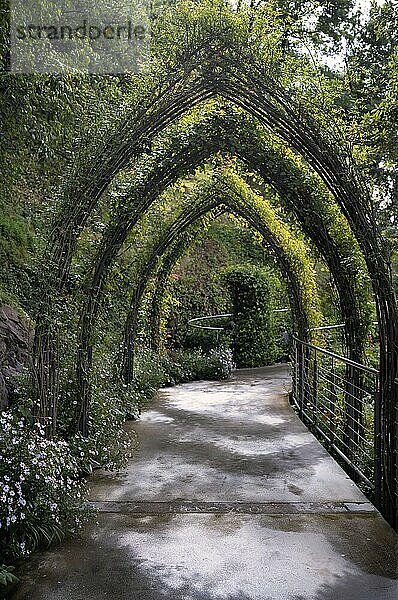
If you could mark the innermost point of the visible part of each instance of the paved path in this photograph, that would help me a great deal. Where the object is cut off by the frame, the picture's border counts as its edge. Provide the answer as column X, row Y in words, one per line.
column 229, row 498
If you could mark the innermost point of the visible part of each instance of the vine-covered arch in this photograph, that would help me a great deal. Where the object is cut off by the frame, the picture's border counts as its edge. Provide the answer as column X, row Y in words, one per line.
column 227, row 190
column 233, row 131
column 302, row 194
column 250, row 78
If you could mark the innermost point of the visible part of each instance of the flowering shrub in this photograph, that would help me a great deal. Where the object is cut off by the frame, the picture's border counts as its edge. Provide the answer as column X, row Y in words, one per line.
column 153, row 371
column 41, row 492
column 149, row 375
column 109, row 444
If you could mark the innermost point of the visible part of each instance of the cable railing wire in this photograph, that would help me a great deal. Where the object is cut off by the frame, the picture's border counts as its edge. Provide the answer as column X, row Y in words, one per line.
column 336, row 398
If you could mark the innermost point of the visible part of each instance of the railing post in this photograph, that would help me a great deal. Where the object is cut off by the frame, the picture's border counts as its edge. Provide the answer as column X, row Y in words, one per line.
column 395, row 433
column 295, row 373
column 301, row 379
column 378, row 463
column 315, row 380
column 349, row 425
column 332, row 403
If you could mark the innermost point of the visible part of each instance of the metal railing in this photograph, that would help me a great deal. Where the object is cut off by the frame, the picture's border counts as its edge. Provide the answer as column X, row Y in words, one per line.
column 333, row 338
column 196, row 322
column 336, row 398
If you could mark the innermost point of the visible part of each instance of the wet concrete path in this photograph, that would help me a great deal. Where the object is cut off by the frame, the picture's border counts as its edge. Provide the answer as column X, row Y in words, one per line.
column 228, row 498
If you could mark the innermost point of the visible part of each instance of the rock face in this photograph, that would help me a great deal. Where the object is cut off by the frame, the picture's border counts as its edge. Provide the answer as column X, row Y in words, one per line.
column 15, row 344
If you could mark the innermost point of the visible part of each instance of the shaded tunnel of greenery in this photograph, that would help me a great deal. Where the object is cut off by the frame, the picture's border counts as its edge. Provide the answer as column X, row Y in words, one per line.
column 225, row 122
column 253, row 83
column 230, row 192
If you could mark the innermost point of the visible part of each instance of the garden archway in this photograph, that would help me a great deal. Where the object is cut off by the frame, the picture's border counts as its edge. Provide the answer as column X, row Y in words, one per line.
column 248, row 80
column 304, row 196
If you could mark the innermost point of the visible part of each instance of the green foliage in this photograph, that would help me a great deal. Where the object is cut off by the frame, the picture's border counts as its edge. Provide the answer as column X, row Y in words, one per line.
column 198, row 288
column 193, row 365
column 108, row 445
column 16, row 245
column 327, row 25
column 15, row 238
column 198, row 291
column 205, row 340
column 252, row 295
column 7, row 576
column 289, row 253
column 153, row 371
column 372, row 72
column 149, row 376
column 239, row 241
column 63, row 136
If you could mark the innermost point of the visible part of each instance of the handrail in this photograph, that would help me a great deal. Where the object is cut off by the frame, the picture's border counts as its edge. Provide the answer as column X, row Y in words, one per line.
column 192, row 322
column 348, row 361
column 330, row 327
column 341, row 407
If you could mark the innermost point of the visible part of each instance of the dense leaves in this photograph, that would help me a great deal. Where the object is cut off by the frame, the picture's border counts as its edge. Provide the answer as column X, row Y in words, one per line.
column 253, row 300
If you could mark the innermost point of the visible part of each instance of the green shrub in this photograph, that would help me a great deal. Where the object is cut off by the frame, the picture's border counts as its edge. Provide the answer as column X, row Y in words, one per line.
column 149, row 372
column 195, row 365
column 108, row 444
column 16, row 244
column 252, row 292
column 153, row 371
column 207, row 340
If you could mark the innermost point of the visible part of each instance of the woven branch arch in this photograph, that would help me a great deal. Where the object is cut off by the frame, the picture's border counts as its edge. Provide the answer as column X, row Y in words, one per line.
column 211, row 201
column 236, row 71
column 302, row 194
column 234, row 196
column 65, row 256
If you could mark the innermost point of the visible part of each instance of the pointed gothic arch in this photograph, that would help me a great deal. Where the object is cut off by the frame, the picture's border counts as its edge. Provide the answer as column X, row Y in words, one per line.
column 252, row 83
